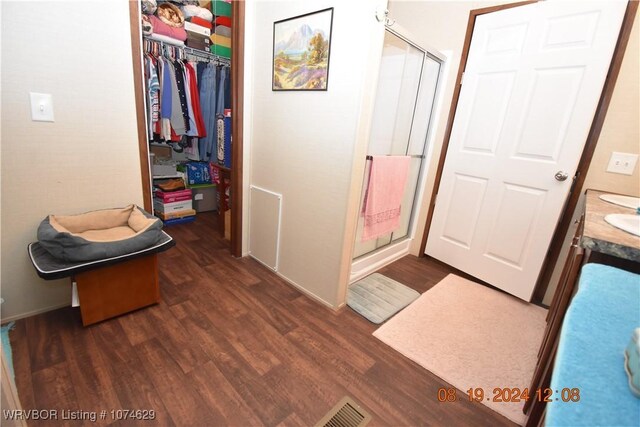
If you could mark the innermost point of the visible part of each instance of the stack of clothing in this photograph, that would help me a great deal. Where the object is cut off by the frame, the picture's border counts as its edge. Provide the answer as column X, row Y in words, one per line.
column 221, row 37
column 164, row 22
column 198, row 24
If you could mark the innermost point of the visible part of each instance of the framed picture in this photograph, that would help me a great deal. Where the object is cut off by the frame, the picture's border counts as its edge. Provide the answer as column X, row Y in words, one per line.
column 301, row 50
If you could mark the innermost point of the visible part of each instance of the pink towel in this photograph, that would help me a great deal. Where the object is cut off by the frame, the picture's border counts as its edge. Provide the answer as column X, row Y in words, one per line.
column 381, row 207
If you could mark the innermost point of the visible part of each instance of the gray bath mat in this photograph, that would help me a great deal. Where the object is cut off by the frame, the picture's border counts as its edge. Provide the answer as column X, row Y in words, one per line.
column 377, row 297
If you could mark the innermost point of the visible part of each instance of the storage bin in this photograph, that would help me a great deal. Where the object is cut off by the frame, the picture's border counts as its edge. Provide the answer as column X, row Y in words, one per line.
column 204, row 199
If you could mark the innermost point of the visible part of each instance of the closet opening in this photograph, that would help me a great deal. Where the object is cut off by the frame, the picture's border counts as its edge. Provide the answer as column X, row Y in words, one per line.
column 221, row 50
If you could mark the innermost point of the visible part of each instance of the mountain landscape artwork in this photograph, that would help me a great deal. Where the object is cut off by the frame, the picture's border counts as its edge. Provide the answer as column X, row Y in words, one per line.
column 301, row 51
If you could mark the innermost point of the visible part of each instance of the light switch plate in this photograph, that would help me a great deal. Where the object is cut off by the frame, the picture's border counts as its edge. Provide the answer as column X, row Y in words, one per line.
column 41, row 107
column 622, row 163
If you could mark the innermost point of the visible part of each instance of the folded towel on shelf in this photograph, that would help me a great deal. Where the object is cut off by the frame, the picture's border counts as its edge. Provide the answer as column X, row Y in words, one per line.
column 221, row 8
column 223, row 20
column 383, row 198
column 221, row 30
column 160, row 28
column 200, row 12
column 166, row 39
column 221, row 40
column 199, row 21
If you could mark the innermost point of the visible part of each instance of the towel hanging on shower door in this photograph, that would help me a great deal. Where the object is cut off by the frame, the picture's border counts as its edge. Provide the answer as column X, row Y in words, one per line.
column 383, row 199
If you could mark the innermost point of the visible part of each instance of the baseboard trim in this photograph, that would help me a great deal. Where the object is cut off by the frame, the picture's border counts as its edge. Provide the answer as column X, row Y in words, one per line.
column 306, row 292
column 33, row 313
column 376, row 261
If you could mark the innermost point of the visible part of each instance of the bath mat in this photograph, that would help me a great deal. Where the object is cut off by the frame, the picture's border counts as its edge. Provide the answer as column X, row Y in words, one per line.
column 376, row 297
column 471, row 336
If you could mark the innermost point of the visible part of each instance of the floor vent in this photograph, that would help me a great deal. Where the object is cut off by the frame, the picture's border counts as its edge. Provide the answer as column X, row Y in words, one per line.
column 346, row 413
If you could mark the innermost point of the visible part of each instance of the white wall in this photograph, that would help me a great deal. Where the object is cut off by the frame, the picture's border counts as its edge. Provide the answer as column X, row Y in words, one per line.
column 307, row 145
column 88, row 158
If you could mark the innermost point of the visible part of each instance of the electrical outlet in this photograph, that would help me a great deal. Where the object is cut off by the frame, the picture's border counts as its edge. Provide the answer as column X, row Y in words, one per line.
column 623, row 163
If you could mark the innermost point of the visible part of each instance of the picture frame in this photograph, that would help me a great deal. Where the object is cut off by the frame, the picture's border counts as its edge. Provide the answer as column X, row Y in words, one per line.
column 301, row 52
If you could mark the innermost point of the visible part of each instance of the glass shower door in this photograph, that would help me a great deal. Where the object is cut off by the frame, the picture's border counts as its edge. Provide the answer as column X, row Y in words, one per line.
column 402, row 114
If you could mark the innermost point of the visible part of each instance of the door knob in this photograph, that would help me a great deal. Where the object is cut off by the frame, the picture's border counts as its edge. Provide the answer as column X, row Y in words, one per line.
column 561, row 176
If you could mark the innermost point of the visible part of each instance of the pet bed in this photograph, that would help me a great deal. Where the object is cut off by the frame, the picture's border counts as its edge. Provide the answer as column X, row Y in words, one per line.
column 50, row 268
column 99, row 235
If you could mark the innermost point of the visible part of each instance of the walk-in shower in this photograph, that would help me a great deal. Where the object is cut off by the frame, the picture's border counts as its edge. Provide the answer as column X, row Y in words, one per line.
column 402, row 120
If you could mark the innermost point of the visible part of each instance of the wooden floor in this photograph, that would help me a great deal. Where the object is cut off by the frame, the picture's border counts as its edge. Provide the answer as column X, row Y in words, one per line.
column 231, row 344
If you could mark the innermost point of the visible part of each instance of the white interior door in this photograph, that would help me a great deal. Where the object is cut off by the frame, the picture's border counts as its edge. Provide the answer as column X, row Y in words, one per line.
column 530, row 90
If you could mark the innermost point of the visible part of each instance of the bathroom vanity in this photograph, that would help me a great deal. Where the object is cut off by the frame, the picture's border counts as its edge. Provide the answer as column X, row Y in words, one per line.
column 600, row 237
column 618, row 254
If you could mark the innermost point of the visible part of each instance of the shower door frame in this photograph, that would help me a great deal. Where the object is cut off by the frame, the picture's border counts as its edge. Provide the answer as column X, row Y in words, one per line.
column 370, row 261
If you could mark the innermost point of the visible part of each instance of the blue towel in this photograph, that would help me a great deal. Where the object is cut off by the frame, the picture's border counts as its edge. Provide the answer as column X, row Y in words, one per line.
column 6, row 345
column 596, row 330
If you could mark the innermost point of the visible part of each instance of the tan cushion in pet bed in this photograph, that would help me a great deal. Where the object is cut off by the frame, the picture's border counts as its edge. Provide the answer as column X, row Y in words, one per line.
column 99, row 234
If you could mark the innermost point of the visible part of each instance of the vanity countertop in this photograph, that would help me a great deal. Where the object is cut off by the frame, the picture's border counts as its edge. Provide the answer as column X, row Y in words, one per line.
column 602, row 237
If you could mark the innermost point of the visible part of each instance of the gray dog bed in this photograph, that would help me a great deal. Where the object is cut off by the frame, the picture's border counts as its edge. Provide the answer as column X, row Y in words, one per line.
column 99, row 234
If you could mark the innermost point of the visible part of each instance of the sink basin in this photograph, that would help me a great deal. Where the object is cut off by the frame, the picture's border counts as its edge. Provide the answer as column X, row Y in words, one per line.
column 628, row 223
column 626, row 201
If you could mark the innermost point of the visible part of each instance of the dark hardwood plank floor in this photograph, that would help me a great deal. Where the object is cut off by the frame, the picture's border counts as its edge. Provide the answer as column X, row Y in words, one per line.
column 230, row 344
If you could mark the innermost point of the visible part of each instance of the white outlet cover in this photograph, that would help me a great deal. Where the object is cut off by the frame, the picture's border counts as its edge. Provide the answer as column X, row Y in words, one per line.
column 622, row 163
column 41, row 107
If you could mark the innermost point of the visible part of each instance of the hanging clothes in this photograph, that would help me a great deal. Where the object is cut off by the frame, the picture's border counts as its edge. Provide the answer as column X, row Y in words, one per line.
column 195, row 101
column 224, row 128
column 208, row 97
column 184, row 100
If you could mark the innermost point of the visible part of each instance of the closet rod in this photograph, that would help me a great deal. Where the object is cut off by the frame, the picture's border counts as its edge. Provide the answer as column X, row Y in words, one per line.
column 191, row 51
column 413, row 156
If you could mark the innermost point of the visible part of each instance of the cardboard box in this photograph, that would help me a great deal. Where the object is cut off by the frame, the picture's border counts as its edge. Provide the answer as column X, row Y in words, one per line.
column 160, row 151
column 173, row 196
column 165, row 208
column 204, row 199
column 195, row 28
column 163, row 170
column 173, row 215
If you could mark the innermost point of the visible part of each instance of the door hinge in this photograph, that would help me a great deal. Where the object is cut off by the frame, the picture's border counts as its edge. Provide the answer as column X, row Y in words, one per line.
column 462, row 78
column 435, row 199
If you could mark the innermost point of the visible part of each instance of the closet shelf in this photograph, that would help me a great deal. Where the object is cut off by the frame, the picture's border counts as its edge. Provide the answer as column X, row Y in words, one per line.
column 221, row 60
column 222, row 168
column 166, row 176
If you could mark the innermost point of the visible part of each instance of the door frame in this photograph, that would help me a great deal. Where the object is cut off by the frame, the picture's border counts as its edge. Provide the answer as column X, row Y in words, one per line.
column 237, row 107
column 566, row 215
